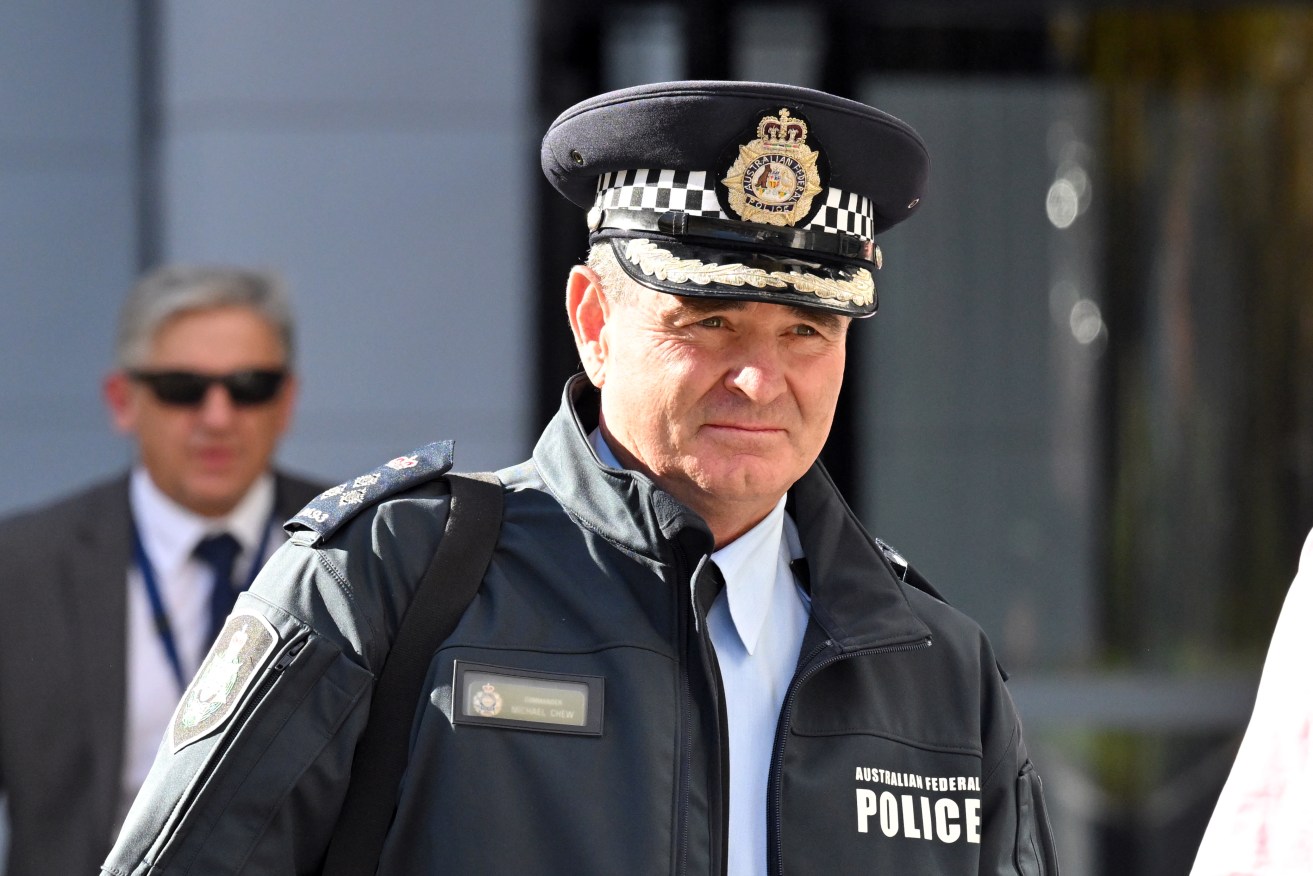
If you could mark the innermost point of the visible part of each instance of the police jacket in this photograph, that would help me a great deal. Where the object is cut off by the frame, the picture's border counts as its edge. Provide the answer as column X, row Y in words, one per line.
column 573, row 722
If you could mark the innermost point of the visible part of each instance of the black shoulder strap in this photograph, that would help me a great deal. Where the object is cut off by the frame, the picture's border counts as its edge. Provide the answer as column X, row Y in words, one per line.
column 448, row 586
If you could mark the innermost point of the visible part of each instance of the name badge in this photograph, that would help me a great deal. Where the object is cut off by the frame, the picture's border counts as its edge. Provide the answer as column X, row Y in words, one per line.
column 523, row 699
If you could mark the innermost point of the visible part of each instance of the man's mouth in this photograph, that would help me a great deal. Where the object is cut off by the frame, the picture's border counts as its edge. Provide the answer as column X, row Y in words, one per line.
column 215, row 457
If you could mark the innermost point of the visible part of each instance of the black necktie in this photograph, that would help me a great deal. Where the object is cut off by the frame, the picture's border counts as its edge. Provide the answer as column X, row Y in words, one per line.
column 219, row 552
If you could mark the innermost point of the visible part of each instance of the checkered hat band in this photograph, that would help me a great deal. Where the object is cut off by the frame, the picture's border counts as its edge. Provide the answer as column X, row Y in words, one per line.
column 690, row 191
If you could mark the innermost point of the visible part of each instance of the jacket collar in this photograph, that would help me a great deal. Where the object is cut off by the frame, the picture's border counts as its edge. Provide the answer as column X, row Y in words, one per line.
column 622, row 506
column 855, row 595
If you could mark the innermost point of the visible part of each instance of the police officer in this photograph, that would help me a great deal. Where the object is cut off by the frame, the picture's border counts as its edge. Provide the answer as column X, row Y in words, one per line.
column 685, row 655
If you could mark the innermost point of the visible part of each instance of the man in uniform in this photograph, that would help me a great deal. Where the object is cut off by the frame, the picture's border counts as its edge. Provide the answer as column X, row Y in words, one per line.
column 114, row 593
column 685, row 655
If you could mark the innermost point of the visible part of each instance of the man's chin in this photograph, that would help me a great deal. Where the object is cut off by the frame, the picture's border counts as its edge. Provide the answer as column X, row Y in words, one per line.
column 746, row 469
column 749, row 485
column 212, row 496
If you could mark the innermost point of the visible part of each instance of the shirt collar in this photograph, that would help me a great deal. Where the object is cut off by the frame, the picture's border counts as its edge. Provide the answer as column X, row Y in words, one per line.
column 169, row 532
column 749, row 564
column 602, row 449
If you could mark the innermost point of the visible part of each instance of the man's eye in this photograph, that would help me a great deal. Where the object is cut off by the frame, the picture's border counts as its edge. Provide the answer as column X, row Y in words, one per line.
column 806, row 330
column 712, row 322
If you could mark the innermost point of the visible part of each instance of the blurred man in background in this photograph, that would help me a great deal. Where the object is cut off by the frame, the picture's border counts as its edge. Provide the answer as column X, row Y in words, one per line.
column 117, row 591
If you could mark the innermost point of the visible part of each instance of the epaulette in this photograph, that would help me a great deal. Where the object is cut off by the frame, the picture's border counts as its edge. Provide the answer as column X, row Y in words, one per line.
column 335, row 506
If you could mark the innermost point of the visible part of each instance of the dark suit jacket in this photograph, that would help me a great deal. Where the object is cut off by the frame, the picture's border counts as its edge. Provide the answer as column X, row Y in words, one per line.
column 63, row 649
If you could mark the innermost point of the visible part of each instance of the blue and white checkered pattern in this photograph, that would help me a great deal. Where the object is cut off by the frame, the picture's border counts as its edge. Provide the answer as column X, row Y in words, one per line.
column 661, row 190
column 844, row 213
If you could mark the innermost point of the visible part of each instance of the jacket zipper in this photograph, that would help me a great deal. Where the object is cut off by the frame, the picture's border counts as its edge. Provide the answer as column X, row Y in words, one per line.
column 685, row 713
column 685, row 595
column 711, row 668
column 786, row 718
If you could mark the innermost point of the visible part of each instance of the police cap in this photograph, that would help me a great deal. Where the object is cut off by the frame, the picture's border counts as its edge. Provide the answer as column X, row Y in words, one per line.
column 743, row 190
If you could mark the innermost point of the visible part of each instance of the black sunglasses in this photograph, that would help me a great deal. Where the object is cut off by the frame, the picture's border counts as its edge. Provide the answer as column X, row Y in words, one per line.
column 253, row 387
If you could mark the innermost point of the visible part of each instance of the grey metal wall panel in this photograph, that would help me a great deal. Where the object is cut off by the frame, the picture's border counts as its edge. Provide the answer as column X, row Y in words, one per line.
column 67, row 236
column 383, row 158
column 977, row 402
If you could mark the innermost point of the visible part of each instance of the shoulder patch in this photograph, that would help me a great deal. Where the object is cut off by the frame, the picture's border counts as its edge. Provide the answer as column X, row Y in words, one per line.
column 335, row 506
column 243, row 647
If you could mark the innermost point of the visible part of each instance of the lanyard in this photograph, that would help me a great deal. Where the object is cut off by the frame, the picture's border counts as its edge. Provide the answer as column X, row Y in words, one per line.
column 160, row 616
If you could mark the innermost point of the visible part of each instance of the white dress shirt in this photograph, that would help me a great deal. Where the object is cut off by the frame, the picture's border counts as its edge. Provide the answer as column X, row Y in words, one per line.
column 169, row 534
column 756, row 626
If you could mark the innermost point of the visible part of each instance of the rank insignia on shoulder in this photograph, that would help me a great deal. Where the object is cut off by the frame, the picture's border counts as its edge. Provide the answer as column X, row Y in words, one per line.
column 335, row 506
column 243, row 647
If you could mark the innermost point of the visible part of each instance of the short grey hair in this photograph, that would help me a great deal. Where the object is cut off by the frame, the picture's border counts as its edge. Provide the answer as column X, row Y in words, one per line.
column 617, row 285
column 173, row 290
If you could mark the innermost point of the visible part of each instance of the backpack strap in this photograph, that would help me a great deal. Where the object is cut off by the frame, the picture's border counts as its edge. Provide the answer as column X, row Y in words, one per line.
column 448, row 586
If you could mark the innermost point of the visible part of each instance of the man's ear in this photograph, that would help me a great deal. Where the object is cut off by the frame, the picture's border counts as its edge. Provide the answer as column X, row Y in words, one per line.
column 588, row 309
column 120, row 400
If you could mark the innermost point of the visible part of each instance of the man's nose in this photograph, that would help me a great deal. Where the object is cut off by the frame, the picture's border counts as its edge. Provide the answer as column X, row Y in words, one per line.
column 217, row 408
column 759, row 375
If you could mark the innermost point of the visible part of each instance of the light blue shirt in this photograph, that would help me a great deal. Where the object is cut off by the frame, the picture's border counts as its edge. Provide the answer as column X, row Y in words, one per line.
column 756, row 626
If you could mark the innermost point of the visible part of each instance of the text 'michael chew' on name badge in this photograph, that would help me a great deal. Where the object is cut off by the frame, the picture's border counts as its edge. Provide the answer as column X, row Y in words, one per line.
column 522, row 699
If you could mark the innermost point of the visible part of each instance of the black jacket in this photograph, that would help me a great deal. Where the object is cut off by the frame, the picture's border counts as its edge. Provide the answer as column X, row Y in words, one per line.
column 573, row 722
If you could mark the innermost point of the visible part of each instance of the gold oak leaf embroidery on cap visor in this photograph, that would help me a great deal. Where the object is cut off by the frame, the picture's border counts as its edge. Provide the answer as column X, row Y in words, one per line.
column 666, row 266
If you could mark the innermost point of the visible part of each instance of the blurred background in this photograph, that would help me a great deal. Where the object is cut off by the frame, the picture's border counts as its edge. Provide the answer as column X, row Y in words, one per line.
column 1085, row 410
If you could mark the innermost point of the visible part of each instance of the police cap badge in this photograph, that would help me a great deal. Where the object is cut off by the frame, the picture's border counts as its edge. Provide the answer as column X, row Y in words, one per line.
column 743, row 190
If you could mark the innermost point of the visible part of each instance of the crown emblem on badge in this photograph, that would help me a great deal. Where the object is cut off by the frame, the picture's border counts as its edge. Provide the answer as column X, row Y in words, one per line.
column 774, row 178
column 486, row 701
